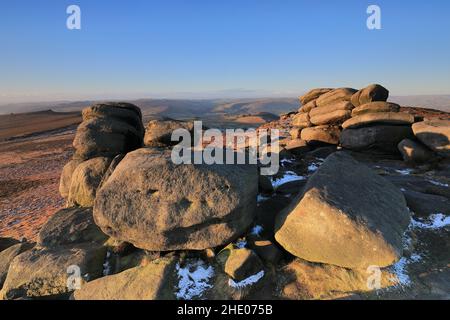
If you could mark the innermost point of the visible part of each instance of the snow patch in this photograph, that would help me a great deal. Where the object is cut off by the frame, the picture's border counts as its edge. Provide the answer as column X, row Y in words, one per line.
column 287, row 177
column 399, row 269
column 404, row 172
column 193, row 279
column 256, row 230
column 437, row 183
column 247, row 281
column 435, row 221
column 313, row 167
column 107, row 267
column 260, row 198
column 241, row 244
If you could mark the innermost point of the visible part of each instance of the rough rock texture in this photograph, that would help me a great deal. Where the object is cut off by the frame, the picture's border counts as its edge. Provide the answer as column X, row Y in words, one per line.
column 66, row 177
column 373, row 92
column 397, row 118
column 435, row 134
column 155, row 281
column 307, row 107
column 303, row 280
column 414, row 151
column 384, row 138
column 159, row 132
column 85, row 180
column 70, row 226
column 347, row 216
column 375, row 107
column 157, row 205
column 7, row 256
column 331, row 117
column 321, row 134
column 301, row 120
column 122, row 111
column 313, row 95
column 43, row 272
column 335, row 96
column 105, row 137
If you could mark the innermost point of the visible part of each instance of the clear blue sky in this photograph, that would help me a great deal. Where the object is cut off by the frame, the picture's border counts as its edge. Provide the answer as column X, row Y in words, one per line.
column 174, row 47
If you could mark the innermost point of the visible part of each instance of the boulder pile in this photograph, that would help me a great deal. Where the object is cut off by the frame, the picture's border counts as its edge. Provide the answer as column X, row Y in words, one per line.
column 107, row 130
column 365, row 121
column 140, row 226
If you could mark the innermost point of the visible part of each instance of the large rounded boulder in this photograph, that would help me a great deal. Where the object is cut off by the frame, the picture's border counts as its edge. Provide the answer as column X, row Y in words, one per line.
column 157, row 205
column 347, row 216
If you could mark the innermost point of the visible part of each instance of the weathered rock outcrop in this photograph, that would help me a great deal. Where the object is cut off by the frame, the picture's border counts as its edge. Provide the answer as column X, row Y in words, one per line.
column 85, row 180
column 41, row 272
column 159, row 132
column 321, row 134
column 157, row 205
column 435, row 134
column 371, row 93
column 375, row 107
column 378, row 138
column 107, row 131
column 347, row 216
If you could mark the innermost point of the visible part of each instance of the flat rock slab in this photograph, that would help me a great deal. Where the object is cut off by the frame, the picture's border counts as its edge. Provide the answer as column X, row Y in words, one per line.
column 379, row 138
column 435, row 134
column 397, row 118
column 157, row 205
column 334, row 117
column 375, row 107
column 321, row 134
column 154, row 281
column 347, row 216
column 335, row 96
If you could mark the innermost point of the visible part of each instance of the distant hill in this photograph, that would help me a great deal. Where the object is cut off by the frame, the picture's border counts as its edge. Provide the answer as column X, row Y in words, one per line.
column 174, row 108
column 439, row 102
column 25, row 124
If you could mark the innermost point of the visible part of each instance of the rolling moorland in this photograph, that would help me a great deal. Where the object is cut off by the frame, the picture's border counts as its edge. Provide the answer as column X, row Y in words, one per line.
column 36, row 145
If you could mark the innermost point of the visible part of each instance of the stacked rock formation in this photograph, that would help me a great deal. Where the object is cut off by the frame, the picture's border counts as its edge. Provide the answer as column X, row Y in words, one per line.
column 107, row 130
column 323, row 111
column 375, row 124
column 364, row 121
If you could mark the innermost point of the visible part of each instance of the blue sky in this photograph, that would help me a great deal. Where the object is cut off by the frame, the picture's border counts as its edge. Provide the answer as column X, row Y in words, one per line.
column 195, row 48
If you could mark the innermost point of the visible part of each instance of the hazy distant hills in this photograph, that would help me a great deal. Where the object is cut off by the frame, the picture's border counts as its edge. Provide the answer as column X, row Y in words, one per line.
column 190, row 108
column 175, row 108
column 439, row 102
